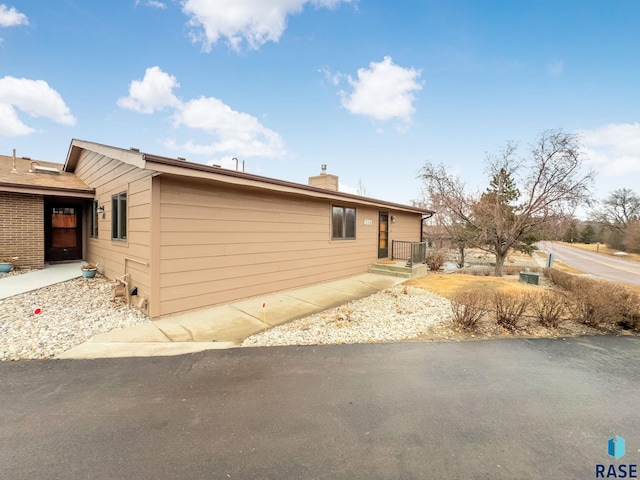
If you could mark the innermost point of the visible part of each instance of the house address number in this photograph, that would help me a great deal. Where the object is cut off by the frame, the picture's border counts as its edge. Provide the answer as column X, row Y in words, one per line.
column 368, row 221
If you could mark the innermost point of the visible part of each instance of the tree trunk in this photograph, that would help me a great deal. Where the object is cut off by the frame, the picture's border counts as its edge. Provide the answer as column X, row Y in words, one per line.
column 500, row 257
column 461, row 261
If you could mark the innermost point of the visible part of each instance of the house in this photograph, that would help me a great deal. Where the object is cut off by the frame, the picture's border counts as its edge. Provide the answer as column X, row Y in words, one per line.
column 192, row 235
column 34, row 198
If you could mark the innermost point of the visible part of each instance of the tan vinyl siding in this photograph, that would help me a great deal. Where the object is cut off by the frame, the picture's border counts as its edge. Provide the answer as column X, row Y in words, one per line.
column 220, row 243
column 110, row 177
column 405, row 228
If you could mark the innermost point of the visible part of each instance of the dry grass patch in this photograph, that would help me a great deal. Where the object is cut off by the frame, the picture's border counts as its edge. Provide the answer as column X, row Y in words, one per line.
column 566, row 268
column 448, row 285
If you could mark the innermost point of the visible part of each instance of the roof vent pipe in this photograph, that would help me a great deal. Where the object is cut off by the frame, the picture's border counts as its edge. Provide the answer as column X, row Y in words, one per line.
column 14, row 170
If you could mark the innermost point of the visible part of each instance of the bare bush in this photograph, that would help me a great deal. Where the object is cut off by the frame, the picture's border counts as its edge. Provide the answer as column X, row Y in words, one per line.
column 468, row 308
column 596, row 303
column 436, row 259
column 510, row 308
column 490, row 271
column 629, row 310
column 549, row 308
column 564, row 280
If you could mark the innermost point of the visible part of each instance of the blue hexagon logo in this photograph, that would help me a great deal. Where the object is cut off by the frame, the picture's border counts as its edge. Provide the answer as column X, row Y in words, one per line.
column 615, row 447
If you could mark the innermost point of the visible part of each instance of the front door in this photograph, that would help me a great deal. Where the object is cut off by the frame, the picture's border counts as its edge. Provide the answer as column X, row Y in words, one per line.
column 383, row 235
column 63, row 232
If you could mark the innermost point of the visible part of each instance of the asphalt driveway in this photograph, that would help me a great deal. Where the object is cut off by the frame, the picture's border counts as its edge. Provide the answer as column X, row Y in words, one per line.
column 494, row 409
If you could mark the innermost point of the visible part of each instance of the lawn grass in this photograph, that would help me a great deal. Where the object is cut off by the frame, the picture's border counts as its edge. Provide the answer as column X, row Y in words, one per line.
column 448, row 285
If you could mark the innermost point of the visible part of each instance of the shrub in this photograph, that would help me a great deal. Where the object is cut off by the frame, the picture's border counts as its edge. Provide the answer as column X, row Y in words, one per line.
column 549, row 308
column 564, row 280
column 510, row 308
column 629, row 310
column 468, row 309
column 597, row 304
column 436, row 259
column 490, row 271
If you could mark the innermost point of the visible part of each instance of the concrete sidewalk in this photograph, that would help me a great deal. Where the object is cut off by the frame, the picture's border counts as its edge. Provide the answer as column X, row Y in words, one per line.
column 49, row 275
column 226, row 326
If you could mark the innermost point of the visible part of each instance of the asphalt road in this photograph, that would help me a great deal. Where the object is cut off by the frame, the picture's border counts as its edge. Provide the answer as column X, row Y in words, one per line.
column 507, row 409
column 604, row 266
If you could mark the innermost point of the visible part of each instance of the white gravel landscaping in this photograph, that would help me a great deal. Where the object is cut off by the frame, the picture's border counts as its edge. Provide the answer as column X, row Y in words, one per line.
column 396, row 314
column 75, row 311
column 71, row 313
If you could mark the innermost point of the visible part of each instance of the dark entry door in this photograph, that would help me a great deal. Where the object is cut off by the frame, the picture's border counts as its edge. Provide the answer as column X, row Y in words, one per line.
column 63, row 232
column 383, row 235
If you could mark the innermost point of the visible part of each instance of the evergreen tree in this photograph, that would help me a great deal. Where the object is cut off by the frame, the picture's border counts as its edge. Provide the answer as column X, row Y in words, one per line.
column 588, row 234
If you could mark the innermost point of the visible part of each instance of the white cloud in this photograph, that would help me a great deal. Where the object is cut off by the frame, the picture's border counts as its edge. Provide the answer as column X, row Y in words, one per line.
column 614, row 147
column 333, row 78
column 34, row 97
column 154, row 92
column 10, row 17
column 384, row 91
column 153, row 3
column 10, row 124
column 237, row 133
column 255, row 22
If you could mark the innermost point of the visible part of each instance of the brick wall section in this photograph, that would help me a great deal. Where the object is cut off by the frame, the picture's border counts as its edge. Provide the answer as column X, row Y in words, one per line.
column 22, row 229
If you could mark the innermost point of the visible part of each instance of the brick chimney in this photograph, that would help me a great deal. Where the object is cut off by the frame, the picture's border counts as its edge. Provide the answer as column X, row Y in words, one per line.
column 324, row 180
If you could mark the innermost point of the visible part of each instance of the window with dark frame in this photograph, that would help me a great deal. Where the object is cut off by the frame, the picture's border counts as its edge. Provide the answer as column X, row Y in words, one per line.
column 119, row 216
column 94, row 219
column 343, row 223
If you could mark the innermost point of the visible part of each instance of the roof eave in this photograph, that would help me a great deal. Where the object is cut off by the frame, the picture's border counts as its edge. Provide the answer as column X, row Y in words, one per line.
column 180, row 167
column 46, row 190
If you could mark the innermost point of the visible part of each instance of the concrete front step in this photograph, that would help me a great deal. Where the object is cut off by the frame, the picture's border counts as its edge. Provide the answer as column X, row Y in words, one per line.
column 399, row 270
column 388, row 272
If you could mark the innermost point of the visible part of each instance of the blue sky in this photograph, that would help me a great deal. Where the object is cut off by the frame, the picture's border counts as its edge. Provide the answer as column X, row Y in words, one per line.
column 371, row 88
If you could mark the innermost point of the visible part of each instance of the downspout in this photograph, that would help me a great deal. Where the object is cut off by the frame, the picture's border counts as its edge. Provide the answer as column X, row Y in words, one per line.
column 424, row 217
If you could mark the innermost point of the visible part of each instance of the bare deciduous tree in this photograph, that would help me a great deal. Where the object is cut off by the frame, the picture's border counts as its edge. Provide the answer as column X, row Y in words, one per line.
column 619, row 213
column 362, row 189
column 523, row 194
column 619, row 208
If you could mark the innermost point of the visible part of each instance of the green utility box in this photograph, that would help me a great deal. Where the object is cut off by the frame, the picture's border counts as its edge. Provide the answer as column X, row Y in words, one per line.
column 529, row 277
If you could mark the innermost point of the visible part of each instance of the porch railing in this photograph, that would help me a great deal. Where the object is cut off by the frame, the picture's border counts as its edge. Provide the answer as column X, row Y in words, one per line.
column 412, row 252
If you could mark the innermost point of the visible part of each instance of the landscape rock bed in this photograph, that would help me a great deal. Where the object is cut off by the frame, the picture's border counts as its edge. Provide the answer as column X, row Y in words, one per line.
column 71, row 313
column 397, row 314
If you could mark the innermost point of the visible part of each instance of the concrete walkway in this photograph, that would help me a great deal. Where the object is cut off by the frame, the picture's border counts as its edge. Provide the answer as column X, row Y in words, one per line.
column 226, row 326
column 49, row 275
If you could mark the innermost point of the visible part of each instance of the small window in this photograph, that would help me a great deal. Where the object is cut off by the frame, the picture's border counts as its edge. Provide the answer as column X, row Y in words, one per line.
column 343, row 223
column 119, row 216
column 94, row 219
